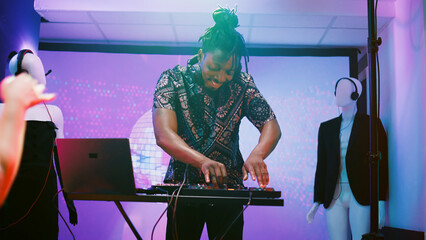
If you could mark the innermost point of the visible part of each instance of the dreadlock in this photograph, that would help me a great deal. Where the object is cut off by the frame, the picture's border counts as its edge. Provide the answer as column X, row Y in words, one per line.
column 224, row 37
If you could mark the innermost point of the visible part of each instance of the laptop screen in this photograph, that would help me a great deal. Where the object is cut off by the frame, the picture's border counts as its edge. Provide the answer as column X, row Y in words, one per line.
column 96, row 166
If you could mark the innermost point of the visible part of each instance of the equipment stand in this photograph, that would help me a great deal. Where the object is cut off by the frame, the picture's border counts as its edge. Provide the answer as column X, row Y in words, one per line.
column 374, row 156
column 129, row 222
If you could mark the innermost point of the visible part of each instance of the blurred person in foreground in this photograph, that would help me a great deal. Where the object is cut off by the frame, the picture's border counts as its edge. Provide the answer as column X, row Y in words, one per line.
column 18, row 93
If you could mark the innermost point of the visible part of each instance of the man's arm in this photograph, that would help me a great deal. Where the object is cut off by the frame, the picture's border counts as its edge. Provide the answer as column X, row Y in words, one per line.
column 12, row 129
column 270, row 134
column 18, row 94
column 165, row 130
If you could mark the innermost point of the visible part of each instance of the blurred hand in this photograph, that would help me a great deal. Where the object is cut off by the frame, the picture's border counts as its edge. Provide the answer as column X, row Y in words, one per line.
column 214, row 172
column 311, row 214
column 24, row 91
column 256, row 167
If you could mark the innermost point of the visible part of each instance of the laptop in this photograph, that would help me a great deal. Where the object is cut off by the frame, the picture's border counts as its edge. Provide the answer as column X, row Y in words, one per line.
column 96, row 166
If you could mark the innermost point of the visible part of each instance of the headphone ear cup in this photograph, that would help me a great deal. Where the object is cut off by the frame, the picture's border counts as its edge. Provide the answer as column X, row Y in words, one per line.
column 11, row 55
column 354, row 96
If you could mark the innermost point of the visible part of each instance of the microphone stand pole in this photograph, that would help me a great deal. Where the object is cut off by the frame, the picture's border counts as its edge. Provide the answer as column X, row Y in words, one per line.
column 374, row 155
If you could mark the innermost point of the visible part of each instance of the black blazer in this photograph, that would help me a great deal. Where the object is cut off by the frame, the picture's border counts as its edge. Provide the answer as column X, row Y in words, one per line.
column 357, row 164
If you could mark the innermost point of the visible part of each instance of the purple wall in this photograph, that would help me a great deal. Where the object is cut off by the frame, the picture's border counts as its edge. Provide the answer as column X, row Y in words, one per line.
column 403, row 104
column 107, row 95
column 19, row 28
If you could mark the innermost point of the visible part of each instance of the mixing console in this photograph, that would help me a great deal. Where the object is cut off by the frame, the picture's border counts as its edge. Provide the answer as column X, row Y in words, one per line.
column 209, row 190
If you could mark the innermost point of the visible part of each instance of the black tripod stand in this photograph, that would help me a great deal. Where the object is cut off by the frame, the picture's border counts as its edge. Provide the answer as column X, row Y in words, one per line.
column 374, row 156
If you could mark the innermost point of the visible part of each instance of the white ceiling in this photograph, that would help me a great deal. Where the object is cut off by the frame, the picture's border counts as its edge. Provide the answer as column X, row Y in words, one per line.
column 172, row 22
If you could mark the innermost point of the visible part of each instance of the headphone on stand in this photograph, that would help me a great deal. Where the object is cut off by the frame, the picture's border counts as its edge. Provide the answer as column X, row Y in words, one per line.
column 19, row 60
column 355, row 94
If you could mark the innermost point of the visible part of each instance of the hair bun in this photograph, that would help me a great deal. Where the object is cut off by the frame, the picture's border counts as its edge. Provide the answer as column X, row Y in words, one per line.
column 225, row 18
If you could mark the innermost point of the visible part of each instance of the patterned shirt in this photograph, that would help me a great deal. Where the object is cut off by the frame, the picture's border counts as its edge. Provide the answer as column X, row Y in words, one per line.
column 208, row 121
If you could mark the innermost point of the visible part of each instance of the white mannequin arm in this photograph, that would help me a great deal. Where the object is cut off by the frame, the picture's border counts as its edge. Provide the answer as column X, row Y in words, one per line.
column 311, row 214
column 382, row 214
column 58, row 119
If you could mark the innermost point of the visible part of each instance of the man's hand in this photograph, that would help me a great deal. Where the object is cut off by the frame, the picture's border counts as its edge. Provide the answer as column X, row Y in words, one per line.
column 257, row 169
column 214, row 172
column 24, row 91
column 18, row 93
column 270, row 134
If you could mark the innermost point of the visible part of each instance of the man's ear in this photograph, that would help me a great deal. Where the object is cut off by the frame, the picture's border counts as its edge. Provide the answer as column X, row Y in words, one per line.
column 200, row 55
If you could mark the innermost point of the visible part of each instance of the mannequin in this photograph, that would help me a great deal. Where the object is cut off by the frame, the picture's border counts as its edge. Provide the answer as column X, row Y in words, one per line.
column 36, row 182
column 342, row 183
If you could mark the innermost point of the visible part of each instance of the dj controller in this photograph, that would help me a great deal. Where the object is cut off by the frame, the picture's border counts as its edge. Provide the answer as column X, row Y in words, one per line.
column 210, row 190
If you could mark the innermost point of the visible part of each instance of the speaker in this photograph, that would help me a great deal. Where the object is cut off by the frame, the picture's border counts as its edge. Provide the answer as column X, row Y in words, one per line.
column 355, row 94
column 21, row 55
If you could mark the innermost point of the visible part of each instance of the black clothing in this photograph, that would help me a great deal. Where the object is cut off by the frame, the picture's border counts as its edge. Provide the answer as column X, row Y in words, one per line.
column 357, row 162
column 190, row 219
column 42, row 220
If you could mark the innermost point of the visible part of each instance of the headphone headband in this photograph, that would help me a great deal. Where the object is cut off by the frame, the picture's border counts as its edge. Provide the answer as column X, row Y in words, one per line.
column 21, row 55
column 355, row 94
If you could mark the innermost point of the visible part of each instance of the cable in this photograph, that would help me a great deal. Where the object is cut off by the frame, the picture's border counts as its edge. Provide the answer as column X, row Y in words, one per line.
column 168, row 205
column 229, row 227
column 60, row 214
column 174, row 213
column 174, row 227
column 155, row 225
column 35, row 201
column 340, row 136
column 42, row 189
column 48, row 112
column 375, row 15
column 175, row 207
column 378, row 67
column 350, row 122
column 378, row 85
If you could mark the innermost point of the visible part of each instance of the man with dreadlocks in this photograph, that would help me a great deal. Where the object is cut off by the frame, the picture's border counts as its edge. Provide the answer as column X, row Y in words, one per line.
column 196, row 114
